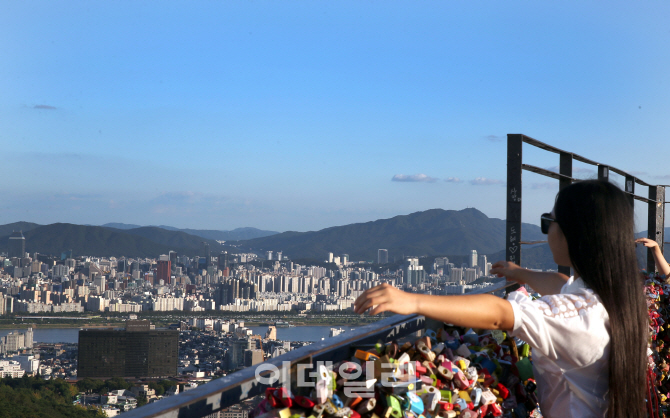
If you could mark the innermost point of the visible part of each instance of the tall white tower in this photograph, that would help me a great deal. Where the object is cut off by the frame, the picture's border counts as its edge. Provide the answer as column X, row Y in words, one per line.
column 473, row 259
column 29, row 338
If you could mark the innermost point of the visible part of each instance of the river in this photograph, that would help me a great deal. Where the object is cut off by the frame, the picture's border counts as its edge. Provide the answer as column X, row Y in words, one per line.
column 71, row 335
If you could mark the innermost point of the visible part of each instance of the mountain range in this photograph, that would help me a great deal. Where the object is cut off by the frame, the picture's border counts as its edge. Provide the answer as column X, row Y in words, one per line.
column 431, row 232
column 102, row 241
column 115, row 239
column 434, row 232
column 234, row 235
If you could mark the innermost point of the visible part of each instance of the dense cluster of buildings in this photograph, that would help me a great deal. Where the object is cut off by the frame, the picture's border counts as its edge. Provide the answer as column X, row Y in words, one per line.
column 35, row 283
column 192, row 352
column 198, row 349
column 20, row 355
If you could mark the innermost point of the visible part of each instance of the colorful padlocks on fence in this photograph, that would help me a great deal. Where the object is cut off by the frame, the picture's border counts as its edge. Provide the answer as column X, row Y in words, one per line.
column 657, row 291
column 448, row 373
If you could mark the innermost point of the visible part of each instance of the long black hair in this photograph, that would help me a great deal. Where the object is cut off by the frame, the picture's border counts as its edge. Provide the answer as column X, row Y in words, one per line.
column 597, row 220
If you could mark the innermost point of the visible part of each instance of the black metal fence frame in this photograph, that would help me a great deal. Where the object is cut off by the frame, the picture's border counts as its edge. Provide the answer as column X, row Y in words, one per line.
column 241, row 385
column 236, row 387
column 515, row 166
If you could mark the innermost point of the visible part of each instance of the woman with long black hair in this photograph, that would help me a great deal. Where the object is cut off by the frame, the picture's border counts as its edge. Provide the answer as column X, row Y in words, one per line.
column 588, row 332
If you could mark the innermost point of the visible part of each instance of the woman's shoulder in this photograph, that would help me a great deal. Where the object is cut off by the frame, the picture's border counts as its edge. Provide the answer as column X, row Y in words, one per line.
column 579, row 302
column 567, row 305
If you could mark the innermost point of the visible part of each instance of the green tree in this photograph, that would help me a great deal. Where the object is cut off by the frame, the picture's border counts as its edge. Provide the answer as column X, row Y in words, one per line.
column 117, row 383
column 90, row 385
column 31, row 397
column 167, row 384
column 160, row 390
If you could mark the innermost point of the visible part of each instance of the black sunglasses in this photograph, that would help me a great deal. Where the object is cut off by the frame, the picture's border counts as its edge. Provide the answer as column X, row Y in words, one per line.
column 545, row 220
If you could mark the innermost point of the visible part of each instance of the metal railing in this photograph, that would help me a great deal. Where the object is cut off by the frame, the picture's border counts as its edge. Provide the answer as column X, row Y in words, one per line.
column 239, row 386
column 244, row 384
column 515, row 166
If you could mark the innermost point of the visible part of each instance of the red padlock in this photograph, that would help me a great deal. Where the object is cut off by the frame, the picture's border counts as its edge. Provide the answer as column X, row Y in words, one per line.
column 504, row 393
column 284, row 397
column 446, row 406
column 420, row 369
column 304, row 401
column 272, row 400
column 495, row 409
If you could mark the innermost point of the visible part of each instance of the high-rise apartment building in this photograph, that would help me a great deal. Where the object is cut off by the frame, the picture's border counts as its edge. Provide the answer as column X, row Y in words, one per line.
column 236, row 352
column 101, row 283
column 470, row 275
column 382, row 256
column 223, row 260
column 456, row 275
column 232, row 289
column 473, row 258
column 481, row 262
column 17, row 245
column 253, row 357
column 137, row 351
column 15, row 341
column 164, row 271
column 414, row 273
column 205, row 252
column 172, row 256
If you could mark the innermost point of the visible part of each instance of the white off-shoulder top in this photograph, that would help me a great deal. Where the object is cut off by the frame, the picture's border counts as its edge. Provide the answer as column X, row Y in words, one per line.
column 569, row 335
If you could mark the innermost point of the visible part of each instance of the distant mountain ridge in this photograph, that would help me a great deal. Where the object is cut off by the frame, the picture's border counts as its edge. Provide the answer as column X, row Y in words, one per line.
column 428, row 233
column 431, row 232
column 149, row 242
column 87, row 240
column 434, row 232
column 17, row 226
column 212, row 234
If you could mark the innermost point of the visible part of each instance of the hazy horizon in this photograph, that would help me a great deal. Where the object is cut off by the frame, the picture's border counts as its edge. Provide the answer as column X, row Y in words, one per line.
column 305, row 115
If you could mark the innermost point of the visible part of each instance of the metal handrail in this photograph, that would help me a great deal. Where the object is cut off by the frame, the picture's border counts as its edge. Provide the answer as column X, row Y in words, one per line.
column 547, row 147
column 515, row 166
column 236, row 387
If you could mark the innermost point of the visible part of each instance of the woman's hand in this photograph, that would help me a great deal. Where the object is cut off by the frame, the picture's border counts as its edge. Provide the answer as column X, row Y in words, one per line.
column 509, row 270
column 649, row 243
column 661, row 264
column 384, row 298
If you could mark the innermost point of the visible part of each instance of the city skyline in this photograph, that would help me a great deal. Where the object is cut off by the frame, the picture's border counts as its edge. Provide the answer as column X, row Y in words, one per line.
column 294, row 116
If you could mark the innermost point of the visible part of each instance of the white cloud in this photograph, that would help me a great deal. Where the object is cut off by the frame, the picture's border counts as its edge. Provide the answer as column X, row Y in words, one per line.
column 452, row 180
column 483, row 181
column 414, row 178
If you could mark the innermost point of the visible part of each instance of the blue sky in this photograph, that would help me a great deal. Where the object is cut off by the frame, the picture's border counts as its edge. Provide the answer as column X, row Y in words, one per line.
column 296, row 115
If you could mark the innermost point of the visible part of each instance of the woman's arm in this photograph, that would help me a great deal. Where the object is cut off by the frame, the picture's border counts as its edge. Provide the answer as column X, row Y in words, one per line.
column 661, row 265
column 544, row 283
column 472, row 311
